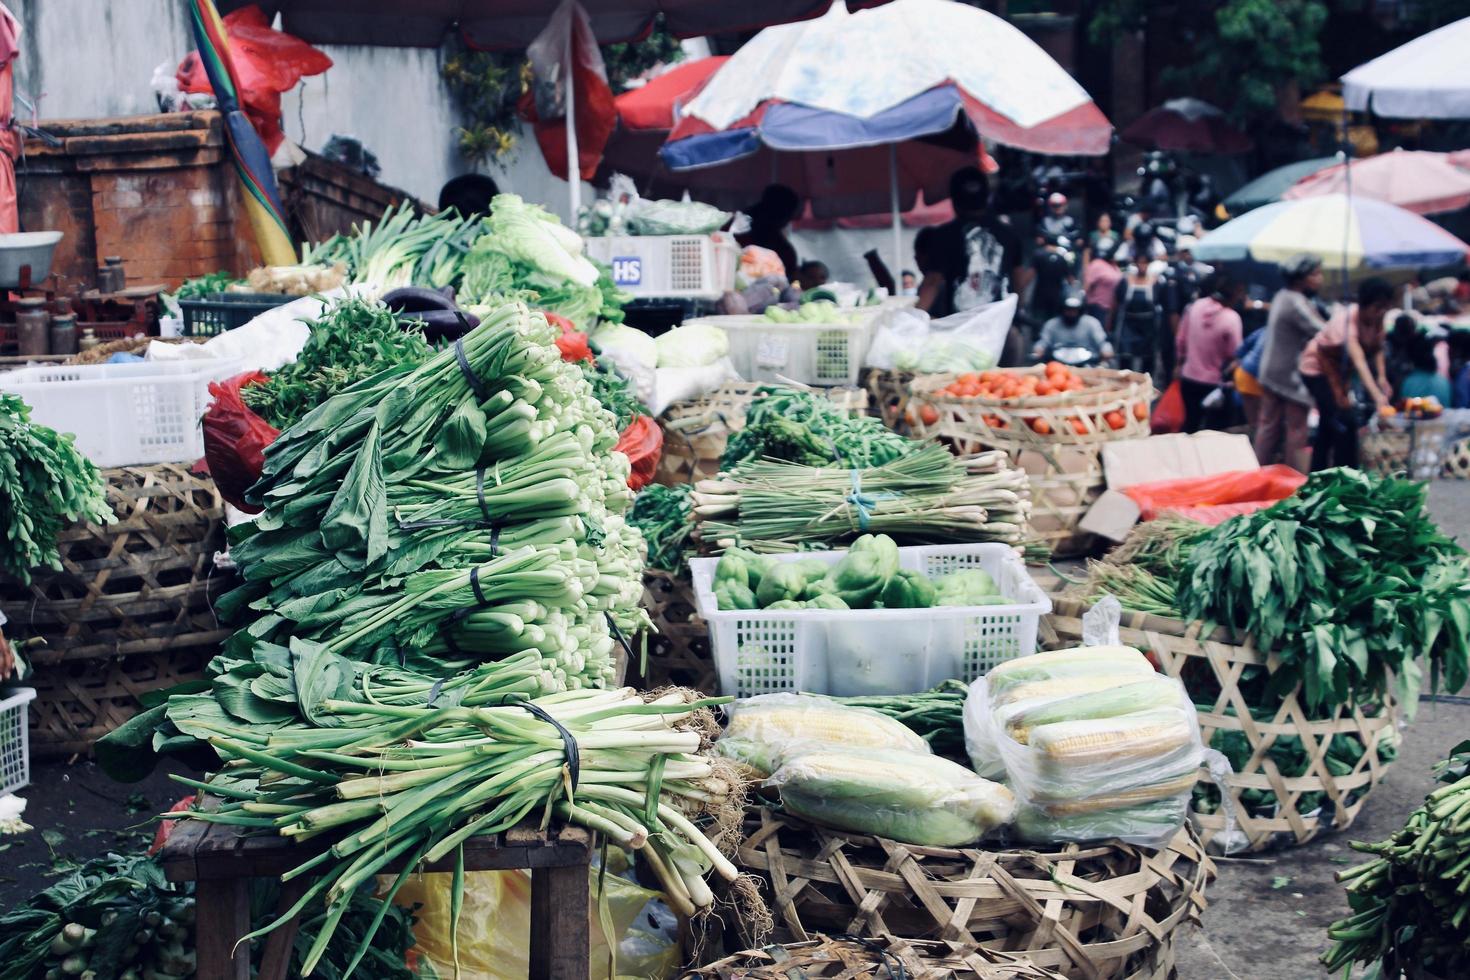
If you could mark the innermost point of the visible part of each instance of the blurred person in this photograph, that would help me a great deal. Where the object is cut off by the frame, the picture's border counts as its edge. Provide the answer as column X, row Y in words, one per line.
column 1143, row 246
column 1072, row 328
column 469, row 194
column 1102, row 238
column 1423, row 379
column 1460, row 370
column 1053, row 272
column 1246, row 378
column 1138, row 318
column 1401, row 341
column 1352, row 339
column 1056, row 222
column 974, row 259
column 908, row 283
column 1209, row 333
column 778, row 207
column 813, row 274
column 1285, row 401
column 1100, row 280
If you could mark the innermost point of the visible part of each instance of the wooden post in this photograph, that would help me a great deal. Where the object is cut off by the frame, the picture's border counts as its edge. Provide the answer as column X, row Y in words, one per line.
column 223, row 910
column 559, row 923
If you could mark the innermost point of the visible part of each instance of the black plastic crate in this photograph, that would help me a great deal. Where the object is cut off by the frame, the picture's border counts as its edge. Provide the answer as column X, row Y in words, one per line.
column 218, row 312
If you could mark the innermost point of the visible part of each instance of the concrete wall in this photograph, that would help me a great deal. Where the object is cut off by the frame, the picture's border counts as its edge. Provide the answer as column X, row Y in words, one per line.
column 95, row 58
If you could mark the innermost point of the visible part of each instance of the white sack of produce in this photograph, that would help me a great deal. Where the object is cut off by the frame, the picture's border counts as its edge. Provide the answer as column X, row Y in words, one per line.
column 267, row 343
column 767, row 729
column 916, row 799
column 1093, row 741
column 907, row 340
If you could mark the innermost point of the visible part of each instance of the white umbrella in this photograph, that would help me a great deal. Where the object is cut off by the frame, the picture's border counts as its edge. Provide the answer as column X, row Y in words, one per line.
column 1428, row 78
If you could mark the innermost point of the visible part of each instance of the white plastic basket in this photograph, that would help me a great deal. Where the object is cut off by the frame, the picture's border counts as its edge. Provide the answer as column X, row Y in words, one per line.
column 672, row 266
column 124, row 414
column 15, row 750
column 821, row 354
column 874, row 651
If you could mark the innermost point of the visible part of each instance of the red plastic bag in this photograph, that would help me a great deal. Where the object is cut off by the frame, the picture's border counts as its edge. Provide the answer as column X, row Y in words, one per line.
column 1243, row 490
column 1169, row 412
column 572, row 343
column 167, row 827
column 267, row 62
column 642, row 442
column 235, row 439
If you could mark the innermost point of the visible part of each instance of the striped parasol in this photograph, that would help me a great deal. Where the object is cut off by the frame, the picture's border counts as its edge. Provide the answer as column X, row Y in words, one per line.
column 247, row 152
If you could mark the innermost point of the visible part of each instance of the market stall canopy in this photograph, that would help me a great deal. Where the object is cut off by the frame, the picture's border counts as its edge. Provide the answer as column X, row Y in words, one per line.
column 512, row 24
column 902, row 71
column 1346, row 233
column 1272, row 184
column 1416, row 180
column 1187, row 126
column 1428, row 78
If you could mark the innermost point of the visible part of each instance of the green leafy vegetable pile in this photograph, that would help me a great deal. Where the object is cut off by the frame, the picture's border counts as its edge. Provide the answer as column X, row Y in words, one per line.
column 207, row 285
column 353, row 340
column 444, row 513
column 614, row 392
column 118, row 917
column 45, row 484
column 1347, row 580
column 1411, row 903
column 403, row 248
column 665, row 516
column 807, row 427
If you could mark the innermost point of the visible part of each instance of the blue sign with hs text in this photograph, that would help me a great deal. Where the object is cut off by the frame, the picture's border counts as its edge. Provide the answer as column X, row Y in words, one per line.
column 627, row 270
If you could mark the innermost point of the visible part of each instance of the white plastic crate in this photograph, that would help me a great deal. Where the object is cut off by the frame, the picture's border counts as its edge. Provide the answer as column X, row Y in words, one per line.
column 672, row 266
column 15, row 752
column 874, row 651
column 821, row 354
column 124, row 414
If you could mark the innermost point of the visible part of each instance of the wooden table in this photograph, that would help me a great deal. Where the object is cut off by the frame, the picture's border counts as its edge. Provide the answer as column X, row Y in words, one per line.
column 222, row 860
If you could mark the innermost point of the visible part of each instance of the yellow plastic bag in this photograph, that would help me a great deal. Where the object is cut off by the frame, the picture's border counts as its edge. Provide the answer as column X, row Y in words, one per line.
column 495, row 925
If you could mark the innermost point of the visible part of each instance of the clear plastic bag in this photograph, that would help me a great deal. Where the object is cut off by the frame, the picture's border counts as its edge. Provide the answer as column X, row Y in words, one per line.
column 766, row 729
column 1093, row 742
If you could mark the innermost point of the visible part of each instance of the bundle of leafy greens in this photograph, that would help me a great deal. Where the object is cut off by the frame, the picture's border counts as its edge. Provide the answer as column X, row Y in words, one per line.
column 614, row 392
column 45, row 484
column 806, row 427
column 465, row 508
column 118, row 916
column 1347, row 581
column 352, row 340
column 665, row 515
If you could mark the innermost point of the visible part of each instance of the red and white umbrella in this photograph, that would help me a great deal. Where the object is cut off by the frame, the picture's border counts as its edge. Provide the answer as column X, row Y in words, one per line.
column 1416, row 180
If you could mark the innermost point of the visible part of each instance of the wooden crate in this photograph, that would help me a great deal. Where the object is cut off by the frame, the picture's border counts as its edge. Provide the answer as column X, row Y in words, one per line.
column 131, row 610
column 1211, row 664
column 1102, row 912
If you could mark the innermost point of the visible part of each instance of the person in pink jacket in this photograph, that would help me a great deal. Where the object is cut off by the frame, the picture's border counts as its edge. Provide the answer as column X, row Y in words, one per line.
column 1209, row 333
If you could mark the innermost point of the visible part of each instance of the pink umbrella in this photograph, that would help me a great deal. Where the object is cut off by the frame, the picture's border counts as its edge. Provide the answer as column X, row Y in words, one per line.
column 1418, row 181
column 1187, row 126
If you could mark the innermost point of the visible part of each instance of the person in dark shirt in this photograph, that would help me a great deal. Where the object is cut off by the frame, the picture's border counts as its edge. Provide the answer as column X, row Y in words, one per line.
column 1053, row 273
column 469, row 194
column 974, row 259
column 778, row 207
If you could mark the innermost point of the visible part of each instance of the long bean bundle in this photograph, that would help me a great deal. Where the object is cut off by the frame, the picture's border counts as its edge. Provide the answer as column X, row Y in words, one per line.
column 315, row 751
column 926, row 496
column 467, row 507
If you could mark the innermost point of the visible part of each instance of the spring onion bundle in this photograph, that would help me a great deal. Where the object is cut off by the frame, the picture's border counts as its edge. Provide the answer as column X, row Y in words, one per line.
column 925, row 496
column 312, row 753
column 464, row 508
column 403, row 248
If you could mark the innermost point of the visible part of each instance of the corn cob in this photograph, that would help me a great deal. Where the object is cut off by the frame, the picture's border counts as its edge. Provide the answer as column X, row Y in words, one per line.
column 1173, row 786
column 1094, row 741
column 1116, row 661
column 1156, row 692
column 766, row 729
column 1059, row 687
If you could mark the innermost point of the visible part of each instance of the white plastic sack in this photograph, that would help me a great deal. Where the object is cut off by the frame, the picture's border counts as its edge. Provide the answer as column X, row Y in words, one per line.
column 671, row 385
column 267, row 343
column 910, row 331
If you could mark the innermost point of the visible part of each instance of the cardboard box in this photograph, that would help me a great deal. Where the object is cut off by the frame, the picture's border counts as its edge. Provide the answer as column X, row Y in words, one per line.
column 1170, row 457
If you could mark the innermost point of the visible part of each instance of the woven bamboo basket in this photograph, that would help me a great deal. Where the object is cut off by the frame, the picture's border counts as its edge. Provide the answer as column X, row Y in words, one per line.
column 1457, row 461
column 1103, row 912
column 1212, row 666
column 872, row 958
column 888, row 394
column 695, row 432
column 130, row 611
column 1420, row 449
column 678, row 649
column 1065, row 466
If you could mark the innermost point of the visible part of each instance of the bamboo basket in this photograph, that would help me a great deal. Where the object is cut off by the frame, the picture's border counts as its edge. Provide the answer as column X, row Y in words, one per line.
column 1103, row 912
column 1211, row 666
column 678, row 649
column 1418, row 448
column 695, row 432
column 130, row 611
column 1065, row 466
column 872, row 958
column 1457, row 461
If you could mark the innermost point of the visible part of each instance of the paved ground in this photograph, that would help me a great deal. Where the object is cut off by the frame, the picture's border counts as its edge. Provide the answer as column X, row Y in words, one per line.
column 1268, row 914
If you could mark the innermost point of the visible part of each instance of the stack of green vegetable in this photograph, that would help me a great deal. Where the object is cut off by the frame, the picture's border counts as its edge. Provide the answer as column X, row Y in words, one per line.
column 312, row 751
column 45, row 485
column 353, row 339
column 925, row 496
column 118, row 917
column 665, row 516
column 1411, row 903
column 465, row 508
column 866, row 577
column 816, row 311
column 807, row 427
column 403, row 248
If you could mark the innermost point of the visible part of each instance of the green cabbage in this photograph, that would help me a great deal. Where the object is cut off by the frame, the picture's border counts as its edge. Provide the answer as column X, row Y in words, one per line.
column 695, row 345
